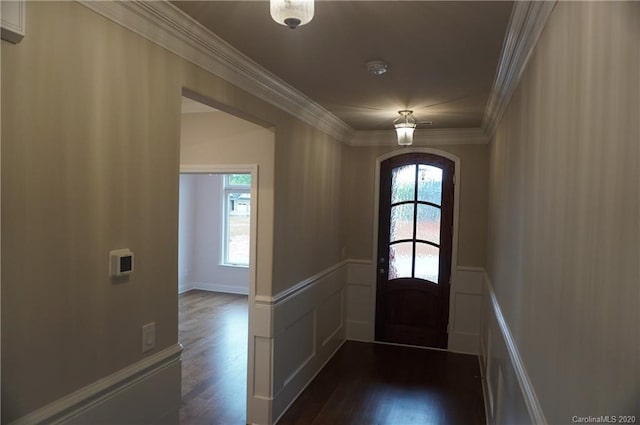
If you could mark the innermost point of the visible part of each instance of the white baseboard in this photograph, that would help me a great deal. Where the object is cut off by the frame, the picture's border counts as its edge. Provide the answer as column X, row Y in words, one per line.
column 146, row 392
column 184, row 287
column 528, row 392
column 216, row 287
column 483, row 380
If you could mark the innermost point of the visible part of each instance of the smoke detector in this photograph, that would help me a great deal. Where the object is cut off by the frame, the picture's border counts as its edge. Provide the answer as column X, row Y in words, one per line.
column 377, row 67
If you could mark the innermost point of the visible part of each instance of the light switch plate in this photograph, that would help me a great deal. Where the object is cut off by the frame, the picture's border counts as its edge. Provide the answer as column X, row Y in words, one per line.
column 148, row 337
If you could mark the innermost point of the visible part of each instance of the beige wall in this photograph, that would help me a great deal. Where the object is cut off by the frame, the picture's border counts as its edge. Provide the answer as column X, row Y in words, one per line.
column 90, row 160
column 308, row 206
column 359, row 170
column 564, row 213
column 222, row 139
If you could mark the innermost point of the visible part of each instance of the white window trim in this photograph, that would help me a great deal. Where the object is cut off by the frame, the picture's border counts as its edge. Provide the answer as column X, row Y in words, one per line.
column 226, row 190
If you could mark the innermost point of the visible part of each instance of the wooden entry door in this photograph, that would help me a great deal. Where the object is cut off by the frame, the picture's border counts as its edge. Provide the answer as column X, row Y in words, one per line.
column 414, row 249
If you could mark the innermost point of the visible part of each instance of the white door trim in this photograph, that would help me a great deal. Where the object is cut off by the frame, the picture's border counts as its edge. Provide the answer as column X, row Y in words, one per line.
column 0, row 231
column 376, row 202
column 253, row 170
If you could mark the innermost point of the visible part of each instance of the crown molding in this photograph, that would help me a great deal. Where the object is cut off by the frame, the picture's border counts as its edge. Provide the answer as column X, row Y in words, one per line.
column 13, row 20
column 528, row 19
column 169, row 27
column 422, row 137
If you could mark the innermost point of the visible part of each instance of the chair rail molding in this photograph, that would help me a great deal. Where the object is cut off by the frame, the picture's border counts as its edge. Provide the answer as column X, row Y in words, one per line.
column 169, row 27
column 107, row 389
column 528, row 19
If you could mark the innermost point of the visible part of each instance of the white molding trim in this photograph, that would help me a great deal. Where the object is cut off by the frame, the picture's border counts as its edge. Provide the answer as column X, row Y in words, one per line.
column 13, row 20
column 528, row 392
column 218, row 287
column 0, row 218
column 77, row 401
column 169, row 27
column 216, row 168
column 299, row 287
column 484, row 379
column 528, row 19
column 358, row 261
column 422, row 137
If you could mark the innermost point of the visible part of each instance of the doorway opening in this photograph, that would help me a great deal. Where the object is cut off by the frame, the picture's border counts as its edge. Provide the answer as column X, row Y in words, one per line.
column 415, row 249
column 213, row 270
column 216, row 263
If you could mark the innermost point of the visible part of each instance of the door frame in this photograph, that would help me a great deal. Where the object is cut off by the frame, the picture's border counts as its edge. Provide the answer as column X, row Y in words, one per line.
column 376, row 214
column 253, row 249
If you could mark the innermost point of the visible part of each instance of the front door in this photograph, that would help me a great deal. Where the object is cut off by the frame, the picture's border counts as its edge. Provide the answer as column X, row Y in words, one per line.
column 414, row 249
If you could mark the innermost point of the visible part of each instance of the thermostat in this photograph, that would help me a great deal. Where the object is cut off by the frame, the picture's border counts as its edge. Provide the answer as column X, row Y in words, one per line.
column 120, row 262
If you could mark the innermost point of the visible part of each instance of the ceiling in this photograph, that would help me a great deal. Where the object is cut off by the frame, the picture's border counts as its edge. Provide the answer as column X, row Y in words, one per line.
column 442, row 56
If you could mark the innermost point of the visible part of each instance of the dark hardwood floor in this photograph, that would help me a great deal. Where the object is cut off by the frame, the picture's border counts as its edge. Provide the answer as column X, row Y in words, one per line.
column 213, row 330
column 364, row 383
column 368, row 384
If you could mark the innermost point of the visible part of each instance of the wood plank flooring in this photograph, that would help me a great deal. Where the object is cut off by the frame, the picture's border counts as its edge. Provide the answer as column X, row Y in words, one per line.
column 368, row 384
column 363, row 384
column 213, row 330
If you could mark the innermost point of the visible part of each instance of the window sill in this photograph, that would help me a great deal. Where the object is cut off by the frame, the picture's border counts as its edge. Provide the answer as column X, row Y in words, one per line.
column 234, row 266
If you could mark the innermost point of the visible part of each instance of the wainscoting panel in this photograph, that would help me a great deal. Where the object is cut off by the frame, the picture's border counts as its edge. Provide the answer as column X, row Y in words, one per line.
column 300, row 329
column 154, row 400
column 147, row 392
column 361, row 284
column 466, row 310
column 465, row 305
column 331, row 318
column 509, row 393
column 259, row 390
column 468, row 322
column 262, row 362
column 294, row 348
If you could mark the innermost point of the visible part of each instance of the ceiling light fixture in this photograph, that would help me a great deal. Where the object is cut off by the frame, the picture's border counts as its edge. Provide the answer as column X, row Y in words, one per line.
column 405, row 124
column 292, row 13
column 377, row 67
